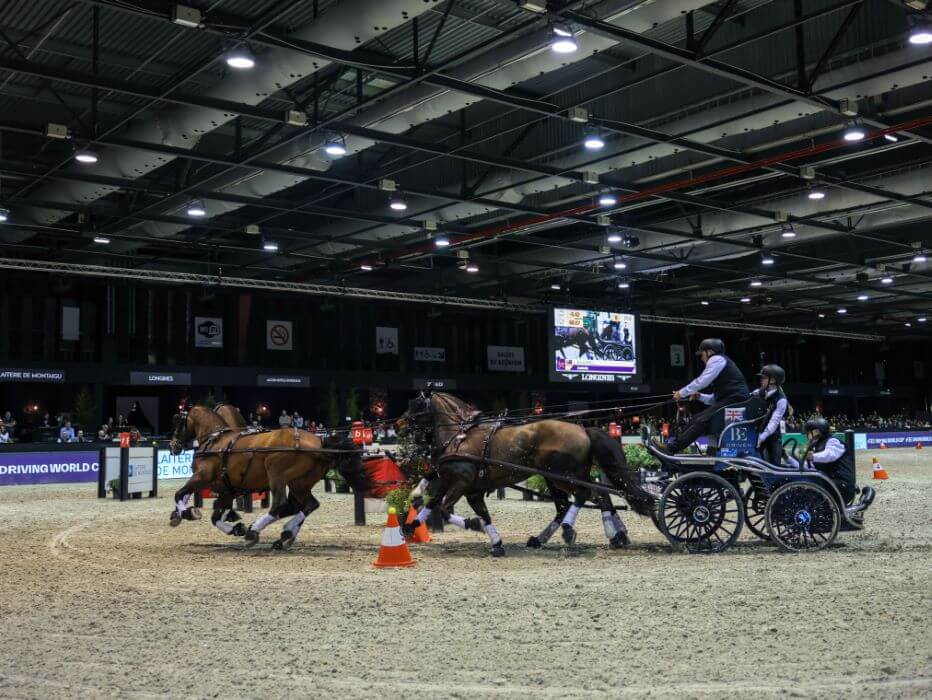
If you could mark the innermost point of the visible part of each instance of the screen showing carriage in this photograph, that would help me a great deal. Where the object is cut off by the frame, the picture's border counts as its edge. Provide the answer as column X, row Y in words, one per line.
column 593, row 346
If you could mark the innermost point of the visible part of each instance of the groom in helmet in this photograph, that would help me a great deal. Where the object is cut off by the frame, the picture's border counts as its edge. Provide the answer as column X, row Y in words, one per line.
column 720, row 384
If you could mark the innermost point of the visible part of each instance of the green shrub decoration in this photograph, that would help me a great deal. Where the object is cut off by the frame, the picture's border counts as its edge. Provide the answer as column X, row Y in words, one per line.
column 537, row 483
column 399, row 499
column 639, row 458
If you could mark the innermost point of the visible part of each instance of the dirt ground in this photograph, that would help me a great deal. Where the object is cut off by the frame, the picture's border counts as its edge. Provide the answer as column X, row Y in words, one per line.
column 104, row 599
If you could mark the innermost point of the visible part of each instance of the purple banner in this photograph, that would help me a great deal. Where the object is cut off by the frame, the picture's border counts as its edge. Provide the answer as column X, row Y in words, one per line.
column 48, row 467
column 907, row 438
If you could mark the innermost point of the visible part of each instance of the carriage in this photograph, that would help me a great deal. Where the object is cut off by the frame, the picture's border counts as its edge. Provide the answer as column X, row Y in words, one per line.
column 705, row 499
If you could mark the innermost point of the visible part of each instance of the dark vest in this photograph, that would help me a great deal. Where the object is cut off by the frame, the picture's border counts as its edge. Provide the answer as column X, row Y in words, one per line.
column 842, row 469
column 729, row 384
column 771, row 407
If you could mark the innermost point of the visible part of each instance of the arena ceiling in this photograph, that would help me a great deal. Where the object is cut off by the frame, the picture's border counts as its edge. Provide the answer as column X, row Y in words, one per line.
column 722, row 124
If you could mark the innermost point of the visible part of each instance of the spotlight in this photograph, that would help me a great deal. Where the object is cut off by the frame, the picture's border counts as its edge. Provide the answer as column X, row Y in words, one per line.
column 919, row 258
column 745, row 300
column 472, row 268
column 921, row 319
column 613, row 237
column 854, row 132
column 593, row 141
column 555, row 287
column 757, row 283
column 788, row 232
column 441, row 241
column 270, row 246
column 562, row 39
column 607, row 199
column 886, row 280
column 86, row 156
column 920, row 33
column 196, row 208
column 241, row 59
column 4, row 214
column 821, row 315
column 908, row 324
column 398, row 203
column 863, row 297
column 624, row 285
column 365, row 268
column 103, row 240
column 892, row 138
column 704, row 302
column 766, row 259
column 619, row 265
column 842, row 311
column 335, row 147
column 816, row 194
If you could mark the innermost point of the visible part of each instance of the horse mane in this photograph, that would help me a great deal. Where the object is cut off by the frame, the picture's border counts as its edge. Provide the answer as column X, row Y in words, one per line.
column 453, row 407
column 197, row 411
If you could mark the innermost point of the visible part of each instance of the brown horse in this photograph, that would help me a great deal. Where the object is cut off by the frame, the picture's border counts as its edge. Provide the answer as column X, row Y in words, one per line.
column 460, row 443
column 236, row 462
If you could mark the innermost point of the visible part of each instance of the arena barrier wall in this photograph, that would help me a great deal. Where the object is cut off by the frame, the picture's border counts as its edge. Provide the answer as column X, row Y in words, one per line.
column 133, row 468
column 49, row 465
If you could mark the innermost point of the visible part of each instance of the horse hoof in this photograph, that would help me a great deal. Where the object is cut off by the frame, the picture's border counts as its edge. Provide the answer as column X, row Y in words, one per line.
column 569, row 534
column 195, row 513
column 174, row 520
column 251, row 537
column 619, row 540
column 534, row 543
column 498, row 550
column 287, row 539
column 239, row 530
column 232, row 517
column 408, row 528
column 277, row 545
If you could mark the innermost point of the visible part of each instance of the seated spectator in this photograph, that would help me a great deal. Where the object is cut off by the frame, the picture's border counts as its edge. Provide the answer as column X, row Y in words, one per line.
column 104, row 432
column 5, row 436
column 121, row 421
column 79, row 437
column 9, row 422
column 297, row 421
column 46, row 420
column 66, row 434
column 284, row 420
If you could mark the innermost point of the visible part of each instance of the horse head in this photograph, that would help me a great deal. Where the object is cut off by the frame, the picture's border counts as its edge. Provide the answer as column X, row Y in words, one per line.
column 182, row 433
column 196, row 424
column 419, row 417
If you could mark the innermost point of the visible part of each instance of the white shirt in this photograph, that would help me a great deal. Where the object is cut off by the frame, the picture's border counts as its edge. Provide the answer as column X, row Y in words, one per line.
column 775, row 417
column 832, row 451
column 5, row 437
column 713, row 368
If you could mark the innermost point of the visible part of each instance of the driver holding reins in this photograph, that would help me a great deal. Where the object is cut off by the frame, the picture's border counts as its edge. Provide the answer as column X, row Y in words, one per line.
column 723, row 384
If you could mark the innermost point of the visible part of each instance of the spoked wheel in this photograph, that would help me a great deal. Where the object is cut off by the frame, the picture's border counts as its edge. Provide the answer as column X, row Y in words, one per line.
column 627, row 354
column 702, row 512
column 755, row 506
column 802, row 517
column 612, row 353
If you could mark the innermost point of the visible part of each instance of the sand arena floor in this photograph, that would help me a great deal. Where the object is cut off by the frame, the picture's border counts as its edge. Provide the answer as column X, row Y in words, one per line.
column 104, row 599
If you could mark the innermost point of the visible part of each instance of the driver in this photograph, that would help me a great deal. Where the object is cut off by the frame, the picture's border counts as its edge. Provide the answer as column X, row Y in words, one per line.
column 770, row 440
column 830, row 456
column 725, row 385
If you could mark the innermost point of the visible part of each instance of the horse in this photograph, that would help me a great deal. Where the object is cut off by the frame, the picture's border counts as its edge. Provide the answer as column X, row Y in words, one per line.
column 233, row 462
column 461, row 444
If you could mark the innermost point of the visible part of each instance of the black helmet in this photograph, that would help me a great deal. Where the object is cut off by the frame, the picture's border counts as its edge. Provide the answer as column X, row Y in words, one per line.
column 713, row 345
column 774, row 372
column 817, row 424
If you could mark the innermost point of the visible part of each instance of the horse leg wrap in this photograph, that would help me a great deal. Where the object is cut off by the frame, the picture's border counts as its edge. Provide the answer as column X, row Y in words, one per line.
column 571, row 514
column 182, row 503
column 548, row 531
column 220, row 523
column 422, row 516
column 494, row 537
column 457, row 520
column 293, row 525
column 619, row 523
column 608, row 524
column 262, row 522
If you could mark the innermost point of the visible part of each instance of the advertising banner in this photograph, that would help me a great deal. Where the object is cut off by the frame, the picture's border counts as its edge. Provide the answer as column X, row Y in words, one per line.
column 434, row 384
column 142, row 378
column 906, row 438
column 141, row 465
column 505, row 358
column 48, row 467
column 386, row 340
column 52, row 376
column 430, row 354
column 283, row 380
column 174, row 466
column 208, row 332
column 278, row 335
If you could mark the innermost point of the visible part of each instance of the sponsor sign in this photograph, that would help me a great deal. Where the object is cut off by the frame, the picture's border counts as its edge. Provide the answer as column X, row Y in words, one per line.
column 53, row 376
column 386, row 340
column 174, row 466
column 208, row 332
column 48, row 467
column 677, row 355
column 438, row 384
column 179, row 378
column 141, row 466
column 283, row 380
column 907, row 438
column 430, row 354
column 588, row 345
column 505, row 358
column 278, row 335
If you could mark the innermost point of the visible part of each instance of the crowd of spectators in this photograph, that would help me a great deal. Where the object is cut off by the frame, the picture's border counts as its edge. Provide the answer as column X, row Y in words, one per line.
column 294, row 419
column 872, row 421
column 59, row 429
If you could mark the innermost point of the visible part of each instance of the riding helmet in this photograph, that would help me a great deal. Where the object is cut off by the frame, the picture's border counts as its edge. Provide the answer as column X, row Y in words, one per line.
column 713, row 345
column 817, row 424
column 774, row 372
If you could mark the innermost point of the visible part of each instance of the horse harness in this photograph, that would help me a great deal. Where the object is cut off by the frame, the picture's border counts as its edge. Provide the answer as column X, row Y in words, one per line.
column 460, row 436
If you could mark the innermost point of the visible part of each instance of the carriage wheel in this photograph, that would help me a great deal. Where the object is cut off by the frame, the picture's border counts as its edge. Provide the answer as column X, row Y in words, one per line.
column 802, row 516
column 701, row 511
column 755, row 506
column 627, row 354
column 612, row 353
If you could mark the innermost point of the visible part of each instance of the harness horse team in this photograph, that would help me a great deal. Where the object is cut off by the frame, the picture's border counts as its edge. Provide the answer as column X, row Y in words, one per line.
column 699, row 501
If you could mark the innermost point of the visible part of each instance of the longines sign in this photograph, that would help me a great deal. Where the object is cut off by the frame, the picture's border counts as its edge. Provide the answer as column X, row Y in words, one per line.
column 178, row 378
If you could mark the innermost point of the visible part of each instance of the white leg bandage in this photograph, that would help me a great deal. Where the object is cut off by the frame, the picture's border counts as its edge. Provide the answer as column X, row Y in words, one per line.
column 619, row 523
column 423, row 514
column 494, row 537
column 295, row 523
column 571, row 515
column 457, row 520
column 183, row 503
column 223, row 525
column 263, row 522
column 419, row 489
column 608, row 524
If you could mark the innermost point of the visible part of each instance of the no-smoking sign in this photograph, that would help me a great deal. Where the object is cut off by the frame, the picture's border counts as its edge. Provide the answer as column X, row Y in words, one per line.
column 278, row 335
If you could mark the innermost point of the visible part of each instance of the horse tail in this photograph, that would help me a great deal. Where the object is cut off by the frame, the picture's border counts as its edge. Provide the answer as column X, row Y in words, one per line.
column 348, row 462
column 610, row 458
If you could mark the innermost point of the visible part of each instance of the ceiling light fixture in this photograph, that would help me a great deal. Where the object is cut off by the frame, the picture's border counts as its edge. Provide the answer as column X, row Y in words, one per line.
column 593, row 141
column 607, row 199
column 613, row 237
column 766, row 259
column 745, row 300
column 908, row 324
column 620, row 265
column 892, row 138
column 472, row 268
column 920, row 257
column 816, row 194
column 366, row 267
column 863, row 297
column 788, row 232
column 86, row 156
column 555, row 287
column 854, row 132
column 335, row 147
column 757, row 283
column 562, row 39
column 921, row 319
column 196, row 208
column 704, row 302
column 241, row 58
column 398, row 203
column 441, row 241
column 103, row 240
column 821, row 315
column 842, row 310
column 270, row 246
column 920, row 33
column 886, row 280
column 4, row 214
column 624, row 285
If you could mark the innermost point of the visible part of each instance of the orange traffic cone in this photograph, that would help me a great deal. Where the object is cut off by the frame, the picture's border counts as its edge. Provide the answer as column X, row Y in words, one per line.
column 393, row 552
column 879, row 471
column 421, row 533
column 883, row 445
